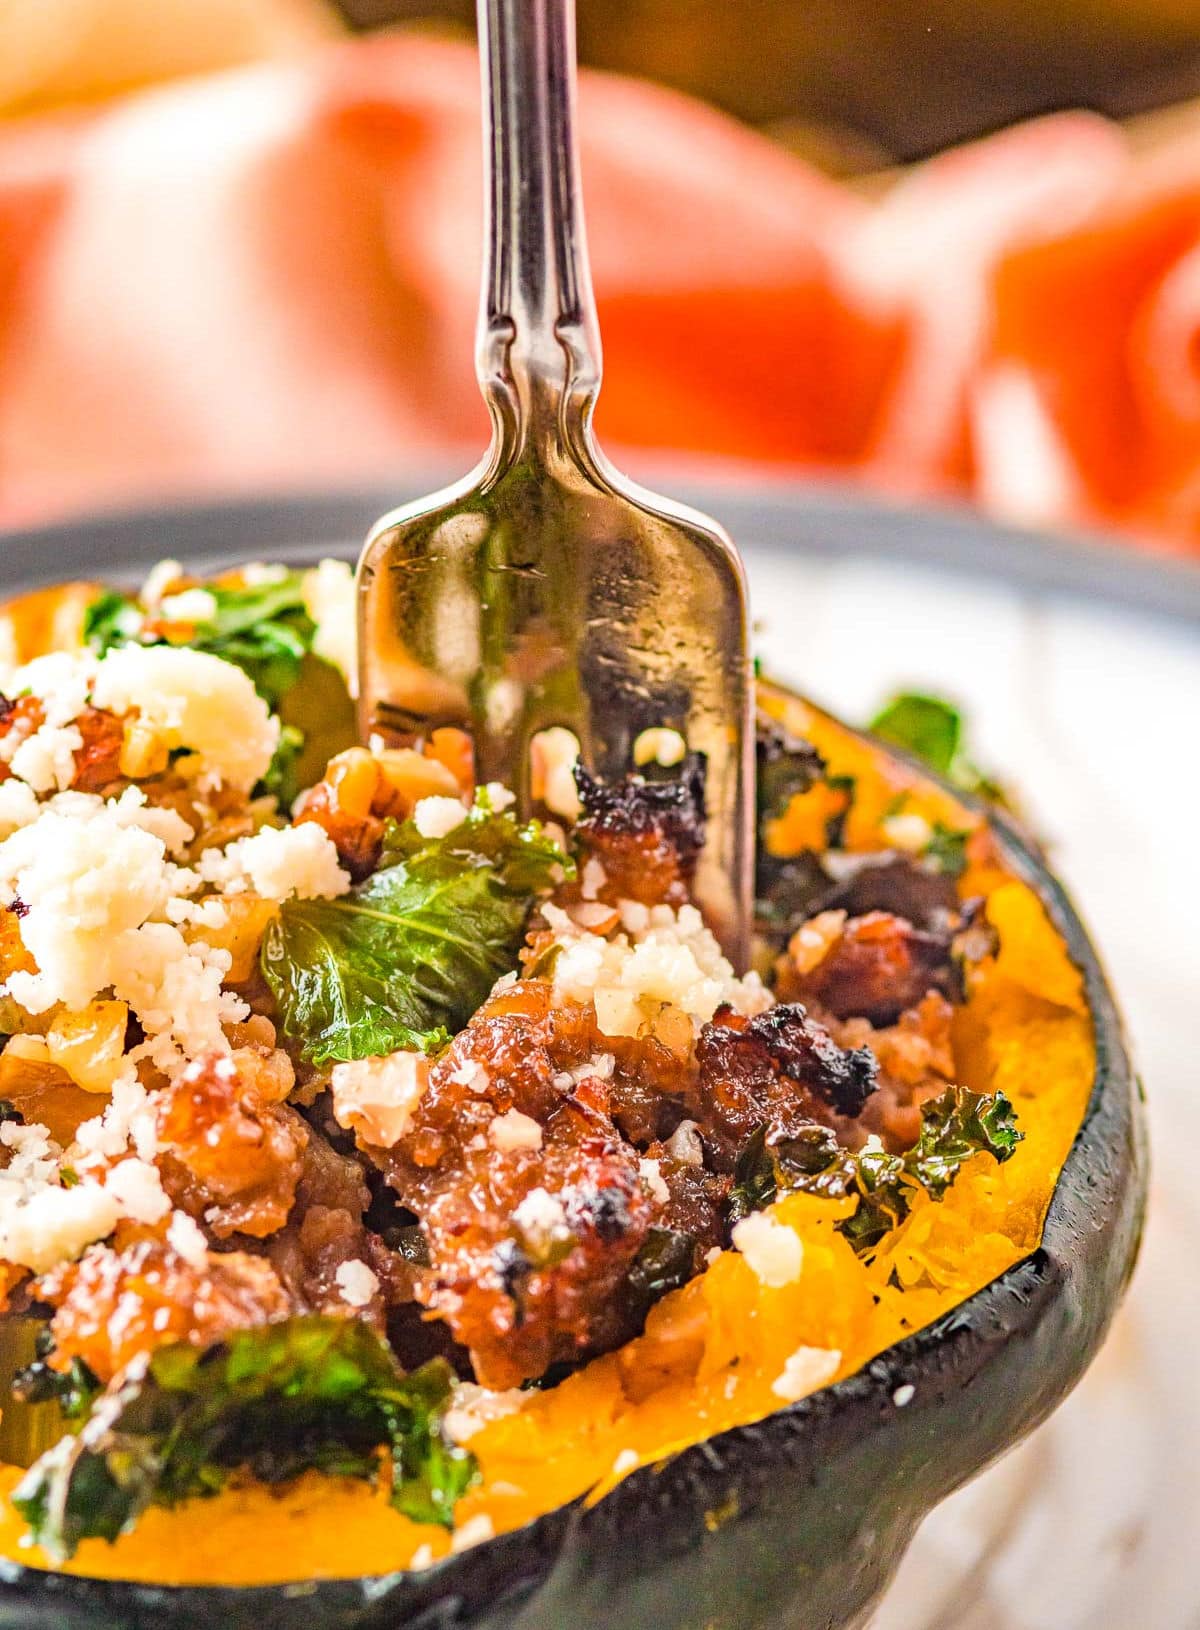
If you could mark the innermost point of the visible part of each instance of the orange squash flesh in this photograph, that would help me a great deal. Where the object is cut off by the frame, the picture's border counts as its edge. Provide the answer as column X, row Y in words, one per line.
column 712, row 1352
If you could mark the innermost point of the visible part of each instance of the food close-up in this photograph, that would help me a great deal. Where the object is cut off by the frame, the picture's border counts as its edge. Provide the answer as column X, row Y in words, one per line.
column 598, row 633
column 383, row 1172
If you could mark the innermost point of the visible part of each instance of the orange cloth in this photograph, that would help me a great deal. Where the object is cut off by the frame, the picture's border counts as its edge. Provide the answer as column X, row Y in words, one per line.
column 268, row 279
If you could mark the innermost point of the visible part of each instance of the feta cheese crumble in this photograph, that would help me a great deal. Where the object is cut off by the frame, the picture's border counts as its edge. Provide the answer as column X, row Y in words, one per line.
column 435, row 817
column 663, row 957
column 513, row 1130
column 542, row 1220
column 193, row 700
column 356, row 1282
column 473, row 1407
column 376, row 1097
column 278, row 863
column 805, row 1371
column 772, row 1251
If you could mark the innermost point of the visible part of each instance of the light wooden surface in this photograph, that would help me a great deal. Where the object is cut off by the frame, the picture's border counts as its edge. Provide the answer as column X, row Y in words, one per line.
column 1093, row 711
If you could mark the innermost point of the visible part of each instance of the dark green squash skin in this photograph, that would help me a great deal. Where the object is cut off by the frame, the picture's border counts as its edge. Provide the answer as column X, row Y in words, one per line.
column 797, row 1522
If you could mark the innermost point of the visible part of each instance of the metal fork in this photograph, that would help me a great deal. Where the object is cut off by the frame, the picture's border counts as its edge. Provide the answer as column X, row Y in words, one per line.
column 546, row 589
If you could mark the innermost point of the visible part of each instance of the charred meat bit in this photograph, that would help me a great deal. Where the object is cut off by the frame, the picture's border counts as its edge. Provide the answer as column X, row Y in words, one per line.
column 232, row 1156
column 114, row 1304
column 781, row 1070
column 786, row 765
column 646, row 834
column 875, row 968
column 529, row 1242
column 916, row 1063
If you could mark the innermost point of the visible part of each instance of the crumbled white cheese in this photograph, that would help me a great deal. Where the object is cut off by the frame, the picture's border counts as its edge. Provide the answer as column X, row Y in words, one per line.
column 88, row 885
column 772, row 1251
column 651, row 1175
column 542, row 1220
column 137, row 1189
column 593, row 878
column 258, row 574
column 473, row 1407
column 46, row 760
column 129, row 1119
column 191, row 606
column 910, row 832
column 356, row 1282
column 807, row 1369
column 174, row 987
column 42, row 1224
column 378, row 1096
column 435, row 817
column 132, row 809
column 513, row 1130
column 500, row 797
column 331, row 602
column 904, row 1395
column 599, row 1067
column 471, row 1075
column 673, row 959
column 60, row 680
column 685, row 1144
column 185, row 1237
column 422, row 1558
column 474, row 1531
column 193, row 700
column 279, row 862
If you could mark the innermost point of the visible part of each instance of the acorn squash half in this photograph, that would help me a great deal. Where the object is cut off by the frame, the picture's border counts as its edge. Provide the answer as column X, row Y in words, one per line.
column 800, row 1518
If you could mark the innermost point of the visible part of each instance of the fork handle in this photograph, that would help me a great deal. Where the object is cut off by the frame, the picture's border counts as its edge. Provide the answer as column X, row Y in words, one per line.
column 538, row 347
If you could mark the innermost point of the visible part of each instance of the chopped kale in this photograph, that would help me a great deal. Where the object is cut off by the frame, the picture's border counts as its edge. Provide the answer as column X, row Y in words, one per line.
column 933, row 730
column 755, row 1179
column 306, row 1392
column 409, row 954
column 74, row 1389
column 926, row 726
column 666, row 1260
column 956, row 1126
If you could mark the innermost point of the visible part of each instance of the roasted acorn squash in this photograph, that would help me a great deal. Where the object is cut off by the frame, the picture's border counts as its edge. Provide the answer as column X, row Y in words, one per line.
column 744, row 1515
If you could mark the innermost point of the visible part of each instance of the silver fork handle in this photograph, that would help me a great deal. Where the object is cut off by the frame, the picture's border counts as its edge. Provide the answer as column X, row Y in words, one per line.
column 538, row 345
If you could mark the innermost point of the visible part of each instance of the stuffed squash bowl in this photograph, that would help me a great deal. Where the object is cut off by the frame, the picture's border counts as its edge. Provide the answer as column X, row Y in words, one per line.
column 408, row 1216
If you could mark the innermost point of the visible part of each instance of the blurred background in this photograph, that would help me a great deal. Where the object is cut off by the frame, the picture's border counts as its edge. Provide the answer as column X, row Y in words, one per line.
column 871, row 273
column 947, row 248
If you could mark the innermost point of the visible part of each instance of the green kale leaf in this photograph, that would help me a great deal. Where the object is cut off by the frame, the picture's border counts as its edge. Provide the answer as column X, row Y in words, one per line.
column 955, row 1126
column 306, row 1392
column 409, row 954
column 933, row 730
column 926, row 726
